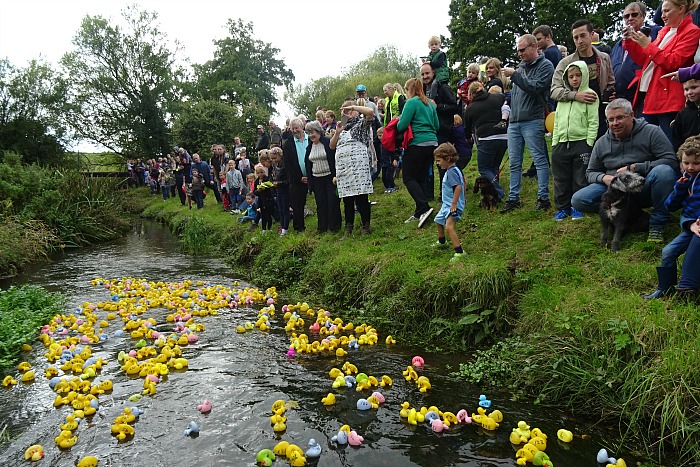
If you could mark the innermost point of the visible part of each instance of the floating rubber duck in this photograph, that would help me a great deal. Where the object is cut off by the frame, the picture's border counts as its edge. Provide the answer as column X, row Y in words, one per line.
column 539, row 442
column 412, row 417
column 354, row 439
column 438, row 426
column 565, row 435
column 265, row 457
column 489, row 423
column 497, row 416
column 386, row 381
column 8, row 381
column 205, row 406
column 24, row 366
column 340, row 352
column 364, row 404
column 523, row 430
column 410, row 374
column 280, row 448
column 404, row 409
column 329, row 399
column 28, row 377
column 334, row 373
column 296, row 459
column 541, row 458
column 192, row 429
column 603, row 458
column 340, row 382
column 379, row 397
column 417, row 361
column 423, row 384
column 279, row 427
column 537, row 432
column 314, row 450
column 390, row 340
column 65, row 440
column 34, row 453
column 71, row 423
column 88, row 461
column 342, row 436
column 484, row 402
column 463, row 417
column 527, row 452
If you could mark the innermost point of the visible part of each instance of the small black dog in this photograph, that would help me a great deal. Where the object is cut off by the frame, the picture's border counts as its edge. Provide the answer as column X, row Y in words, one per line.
column 489, row 199
column 616, row 212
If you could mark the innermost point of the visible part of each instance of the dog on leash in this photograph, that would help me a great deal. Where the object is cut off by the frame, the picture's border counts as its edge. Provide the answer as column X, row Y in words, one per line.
column 617, row 214
column 489, row 198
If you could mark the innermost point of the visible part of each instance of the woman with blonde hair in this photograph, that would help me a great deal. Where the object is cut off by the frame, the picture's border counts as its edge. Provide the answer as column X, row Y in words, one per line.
column 421, row 114
column 494, row 75
column 394, row 102
column 660, row 99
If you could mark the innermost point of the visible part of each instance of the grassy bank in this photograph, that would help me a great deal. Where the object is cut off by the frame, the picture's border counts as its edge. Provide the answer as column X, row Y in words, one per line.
column 43, row 208
column 565, row 318
column 22, row 311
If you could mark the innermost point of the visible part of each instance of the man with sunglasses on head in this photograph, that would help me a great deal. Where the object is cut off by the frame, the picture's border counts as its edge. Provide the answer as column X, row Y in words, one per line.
column 623, row 66
column 531, row 82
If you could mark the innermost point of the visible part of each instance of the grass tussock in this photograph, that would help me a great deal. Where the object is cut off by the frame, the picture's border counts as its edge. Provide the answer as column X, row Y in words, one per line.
column 532, row 291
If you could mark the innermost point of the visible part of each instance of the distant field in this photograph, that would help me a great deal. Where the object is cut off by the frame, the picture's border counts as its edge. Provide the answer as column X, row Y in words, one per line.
column 98, row 162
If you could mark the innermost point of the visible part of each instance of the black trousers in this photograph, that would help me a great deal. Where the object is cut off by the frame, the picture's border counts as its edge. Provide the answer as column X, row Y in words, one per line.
column 416, row 164
column 297, row 200
column 363, row 207
column 327, row 204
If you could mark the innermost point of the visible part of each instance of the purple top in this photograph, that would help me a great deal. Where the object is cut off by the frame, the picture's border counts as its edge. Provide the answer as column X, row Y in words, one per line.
column 687, row 73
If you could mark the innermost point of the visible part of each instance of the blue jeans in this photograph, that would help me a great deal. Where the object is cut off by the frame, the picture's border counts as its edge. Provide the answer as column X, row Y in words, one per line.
column 283, row 207
column 530, row 133
column 678, row 246
column 663, row 121
column 657, row 186
column 489, row 155
column 235, row 198
column 690, row 274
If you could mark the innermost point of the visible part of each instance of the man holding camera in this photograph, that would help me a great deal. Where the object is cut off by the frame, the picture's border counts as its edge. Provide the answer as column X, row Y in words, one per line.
column 601, row 77
column 623, row 66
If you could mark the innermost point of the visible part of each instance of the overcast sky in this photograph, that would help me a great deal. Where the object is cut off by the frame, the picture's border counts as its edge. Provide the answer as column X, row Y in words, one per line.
column 316, row 38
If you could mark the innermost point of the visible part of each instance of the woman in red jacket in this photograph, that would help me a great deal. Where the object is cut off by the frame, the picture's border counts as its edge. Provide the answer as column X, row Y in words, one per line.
column 661, row 98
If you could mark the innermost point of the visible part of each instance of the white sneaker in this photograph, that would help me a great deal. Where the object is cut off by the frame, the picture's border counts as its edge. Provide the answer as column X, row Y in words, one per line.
column 410, row 219
column 424, row 217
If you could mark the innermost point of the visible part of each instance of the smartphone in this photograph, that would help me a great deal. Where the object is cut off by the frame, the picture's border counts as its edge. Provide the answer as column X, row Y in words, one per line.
column 344, row 120
column 646, row 30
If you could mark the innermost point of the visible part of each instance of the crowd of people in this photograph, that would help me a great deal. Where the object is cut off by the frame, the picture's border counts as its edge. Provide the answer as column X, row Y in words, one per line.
column 631, row 107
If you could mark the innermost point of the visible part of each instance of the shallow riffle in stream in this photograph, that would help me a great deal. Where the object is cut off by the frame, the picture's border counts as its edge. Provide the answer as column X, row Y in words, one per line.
column 243, row 374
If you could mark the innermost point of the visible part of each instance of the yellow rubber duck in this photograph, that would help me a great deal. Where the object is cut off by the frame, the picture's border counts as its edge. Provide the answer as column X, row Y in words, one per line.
column 497, row 416
column 340, row 352
column 412, row 417
column 8, row 381
column 279, row 427
column 88, row 461
column 539, row 442
column 489, row 423
column 66, row 439
column 28, row 376
column 280, row 448
column 34, row 453
column 278, row 407
column 329, row 399
column 404, row 409
column 410, row 374
column 71, row 423
column 527, row 452
column 24, row 366
column 122, row 430
column 423, row 384
column 334, row 373
column 390, row 340
column 386, row 381
column 277, row 418
column 565, row 435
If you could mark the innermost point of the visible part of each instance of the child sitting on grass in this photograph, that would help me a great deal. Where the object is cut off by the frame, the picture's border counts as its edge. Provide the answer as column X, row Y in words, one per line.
column 251, row 209
column 452, row 199
column 685, row 196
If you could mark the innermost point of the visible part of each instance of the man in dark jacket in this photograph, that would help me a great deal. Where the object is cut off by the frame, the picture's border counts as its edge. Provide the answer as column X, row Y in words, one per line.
column 631, row 144
column 263, row 139
column 447, row 107
column 531, row 82
column 623, row 66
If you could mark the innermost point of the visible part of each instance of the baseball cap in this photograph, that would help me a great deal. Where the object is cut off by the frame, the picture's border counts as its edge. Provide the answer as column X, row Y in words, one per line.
column 360, row 87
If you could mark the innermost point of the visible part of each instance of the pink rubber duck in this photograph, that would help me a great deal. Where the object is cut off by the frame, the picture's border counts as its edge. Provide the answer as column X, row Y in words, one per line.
column 438, row 426
column 205, row 406
column 354, row 439
column 417, row 361
column 463, row 417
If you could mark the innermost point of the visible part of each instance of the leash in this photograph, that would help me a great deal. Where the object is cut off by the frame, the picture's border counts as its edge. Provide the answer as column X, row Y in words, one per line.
column 501, row 169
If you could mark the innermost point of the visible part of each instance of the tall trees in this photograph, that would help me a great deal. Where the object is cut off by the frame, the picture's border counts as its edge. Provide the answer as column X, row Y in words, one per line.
column 244, row 69
column 123, row 83
column 29, row 119
column 385, row 65
column 482, row 28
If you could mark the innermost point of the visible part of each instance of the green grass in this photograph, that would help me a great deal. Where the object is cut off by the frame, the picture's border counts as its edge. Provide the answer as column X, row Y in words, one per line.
column 543, row 292
column 22, row 311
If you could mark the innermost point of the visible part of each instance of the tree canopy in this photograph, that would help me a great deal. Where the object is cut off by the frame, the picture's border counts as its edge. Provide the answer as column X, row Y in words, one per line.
column 385, row 65
column 244, row 70
column 481, row 28
column 123, row 83
column 29, row 116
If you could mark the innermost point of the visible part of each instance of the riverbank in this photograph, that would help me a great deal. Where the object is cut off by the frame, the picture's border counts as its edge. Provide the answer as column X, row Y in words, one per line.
column 570, row 325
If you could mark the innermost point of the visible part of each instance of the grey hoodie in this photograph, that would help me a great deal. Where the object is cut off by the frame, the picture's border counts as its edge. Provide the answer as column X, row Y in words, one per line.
column 646, row 148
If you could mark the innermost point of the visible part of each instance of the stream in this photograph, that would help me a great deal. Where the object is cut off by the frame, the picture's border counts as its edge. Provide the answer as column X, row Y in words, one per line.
column 244, row 374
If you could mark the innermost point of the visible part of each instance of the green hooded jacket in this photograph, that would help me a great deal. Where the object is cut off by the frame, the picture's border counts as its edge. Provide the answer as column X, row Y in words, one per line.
column 573, row 120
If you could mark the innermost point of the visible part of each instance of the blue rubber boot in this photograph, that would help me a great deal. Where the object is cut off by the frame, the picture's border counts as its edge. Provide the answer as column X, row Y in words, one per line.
column 667, row 280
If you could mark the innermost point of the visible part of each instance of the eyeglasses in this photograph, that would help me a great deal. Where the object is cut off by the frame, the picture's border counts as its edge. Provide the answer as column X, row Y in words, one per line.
column 630, row 15
column 524, row 48
column 617, row 119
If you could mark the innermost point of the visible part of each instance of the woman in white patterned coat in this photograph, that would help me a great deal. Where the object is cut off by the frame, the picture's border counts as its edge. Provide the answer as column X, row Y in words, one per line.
column 352, row 162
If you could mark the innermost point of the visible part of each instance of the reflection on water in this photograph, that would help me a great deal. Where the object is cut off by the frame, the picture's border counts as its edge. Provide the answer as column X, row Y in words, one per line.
column 243, row 374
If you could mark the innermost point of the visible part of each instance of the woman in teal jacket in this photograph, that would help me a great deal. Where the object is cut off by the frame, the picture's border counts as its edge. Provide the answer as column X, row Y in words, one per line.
column 420, row 113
